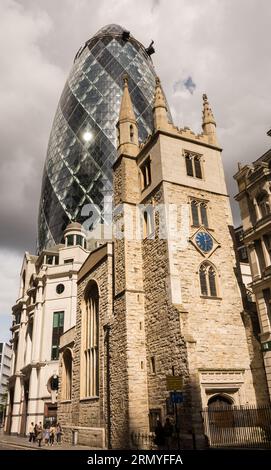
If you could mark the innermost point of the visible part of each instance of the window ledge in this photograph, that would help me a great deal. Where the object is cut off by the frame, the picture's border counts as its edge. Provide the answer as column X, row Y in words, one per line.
column 89, row 398
column 210, row 297
column 145, row 187
column 63, row 402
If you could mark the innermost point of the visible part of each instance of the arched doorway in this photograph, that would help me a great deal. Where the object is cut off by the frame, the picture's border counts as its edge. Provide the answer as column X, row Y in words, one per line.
column 219, row 401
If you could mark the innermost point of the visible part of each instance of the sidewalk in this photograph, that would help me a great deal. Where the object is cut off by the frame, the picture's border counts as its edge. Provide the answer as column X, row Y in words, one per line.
column 23, row 443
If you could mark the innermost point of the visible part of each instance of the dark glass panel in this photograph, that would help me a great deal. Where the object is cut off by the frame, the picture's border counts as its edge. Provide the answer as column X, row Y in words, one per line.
column 189, row 165
column 195, row 213
column 203, row 280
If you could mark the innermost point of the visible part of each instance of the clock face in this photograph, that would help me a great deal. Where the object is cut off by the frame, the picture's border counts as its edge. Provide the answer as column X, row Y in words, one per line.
column 204, row 241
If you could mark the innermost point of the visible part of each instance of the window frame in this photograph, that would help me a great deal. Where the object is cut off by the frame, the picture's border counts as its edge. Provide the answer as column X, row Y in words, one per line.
column 198, row 203
column 145, row 173
column 196, row 170
column 208, row 268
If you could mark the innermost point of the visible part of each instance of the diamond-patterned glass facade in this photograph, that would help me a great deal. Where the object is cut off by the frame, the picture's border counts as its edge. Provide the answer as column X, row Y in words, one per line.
column 82, row 145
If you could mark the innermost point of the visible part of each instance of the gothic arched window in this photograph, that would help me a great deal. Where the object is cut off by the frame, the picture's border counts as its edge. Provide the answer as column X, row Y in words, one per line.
column 67, row 375
column 208, row 280
column 90, row 342
column 131, row 133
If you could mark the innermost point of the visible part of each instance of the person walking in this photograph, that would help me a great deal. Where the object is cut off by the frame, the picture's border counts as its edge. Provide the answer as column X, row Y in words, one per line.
column 159, row 439
column 52, row 434
column 168, row 431
column 39, row 433
column 31, row 433
column 58, row 433
column 35, row 432
column 47, row 436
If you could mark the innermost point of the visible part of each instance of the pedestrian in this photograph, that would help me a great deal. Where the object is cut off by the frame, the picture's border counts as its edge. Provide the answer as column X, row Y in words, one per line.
column 168, row 431
column 159, row 439
column 35, row 432
column 47, row 436
column 58, row 433
column 39, row 433
column 31, row 433
column 52, row 434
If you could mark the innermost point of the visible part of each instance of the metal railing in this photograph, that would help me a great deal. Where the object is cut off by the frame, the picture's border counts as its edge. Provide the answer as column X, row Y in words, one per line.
column 238, row 426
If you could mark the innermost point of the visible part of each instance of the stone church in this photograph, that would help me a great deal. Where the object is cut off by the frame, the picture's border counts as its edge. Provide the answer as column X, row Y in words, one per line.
column 160, row 308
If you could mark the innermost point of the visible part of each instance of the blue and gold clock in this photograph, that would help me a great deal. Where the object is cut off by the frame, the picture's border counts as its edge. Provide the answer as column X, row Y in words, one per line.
column 204, row 241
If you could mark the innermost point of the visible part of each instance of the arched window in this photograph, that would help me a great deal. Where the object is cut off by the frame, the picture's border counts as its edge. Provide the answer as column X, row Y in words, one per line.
column 203, row 214
column 199, row 213
column 90, row 342
column 263, row 204
column 208, row 280
column 67, row 375
column 197, row 164
column 189, row 165
column 131, row 133
column 195, row 214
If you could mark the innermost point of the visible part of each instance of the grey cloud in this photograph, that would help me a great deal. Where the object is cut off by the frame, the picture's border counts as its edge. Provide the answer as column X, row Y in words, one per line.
column 186, row 84
column 224, row 44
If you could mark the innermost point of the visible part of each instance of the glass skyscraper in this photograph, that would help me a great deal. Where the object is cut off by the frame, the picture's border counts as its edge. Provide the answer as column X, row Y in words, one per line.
column 82, row 145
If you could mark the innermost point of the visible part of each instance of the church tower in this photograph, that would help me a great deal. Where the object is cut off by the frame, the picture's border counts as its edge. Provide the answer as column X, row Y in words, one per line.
column 129, row 370
column 177, row 297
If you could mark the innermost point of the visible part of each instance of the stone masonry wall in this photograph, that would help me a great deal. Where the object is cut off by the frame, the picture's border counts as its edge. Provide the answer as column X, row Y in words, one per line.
column 89, row 416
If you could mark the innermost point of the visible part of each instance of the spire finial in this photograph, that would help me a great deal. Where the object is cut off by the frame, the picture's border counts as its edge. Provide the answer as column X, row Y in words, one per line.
column 125, row 79
column 208, row 120
column 159, row 107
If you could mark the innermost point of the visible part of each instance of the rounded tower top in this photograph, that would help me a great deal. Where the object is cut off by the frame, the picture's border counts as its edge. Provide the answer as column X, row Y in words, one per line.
column 74, row 234
column 112, row 29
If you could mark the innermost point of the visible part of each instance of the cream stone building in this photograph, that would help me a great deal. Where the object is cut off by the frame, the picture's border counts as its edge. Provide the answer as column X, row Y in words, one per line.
column 254, row 197
column 160, row 308
column 46, row 308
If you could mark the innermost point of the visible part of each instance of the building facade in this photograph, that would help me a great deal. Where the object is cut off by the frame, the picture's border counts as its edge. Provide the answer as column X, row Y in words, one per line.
column 46, row 308
column 5, row 372
column 82, row 145
column 161, row 305
column 254, row 198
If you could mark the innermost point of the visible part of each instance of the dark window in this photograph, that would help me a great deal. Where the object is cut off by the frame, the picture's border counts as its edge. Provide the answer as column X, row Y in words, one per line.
column 197, row 164
column 68, row 261
column 199, row 213
column 131, row 133
column 203, row 280
column 193, row 164
column 70, row 240
column 60, row 288
column 153, row 368
column 208, row 282
column 154, row 416
column 203, row 214
column 56, row 259
column 189, row 165
column 212, row 283
column 195, row 214
column 243, row 254
column 58, row 325
column 79, row 240
column 49, row 259
column 146, row 173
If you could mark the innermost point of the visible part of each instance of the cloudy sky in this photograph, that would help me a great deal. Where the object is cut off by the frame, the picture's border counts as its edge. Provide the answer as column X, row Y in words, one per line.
column 221, row 47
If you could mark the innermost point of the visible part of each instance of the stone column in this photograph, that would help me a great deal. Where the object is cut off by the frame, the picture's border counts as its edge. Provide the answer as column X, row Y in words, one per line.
column 16, row 410
column 265, row 253
column 37, row 326
column 257, row 210
column 22, row 341
column 32, row 398
column 253, row 261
